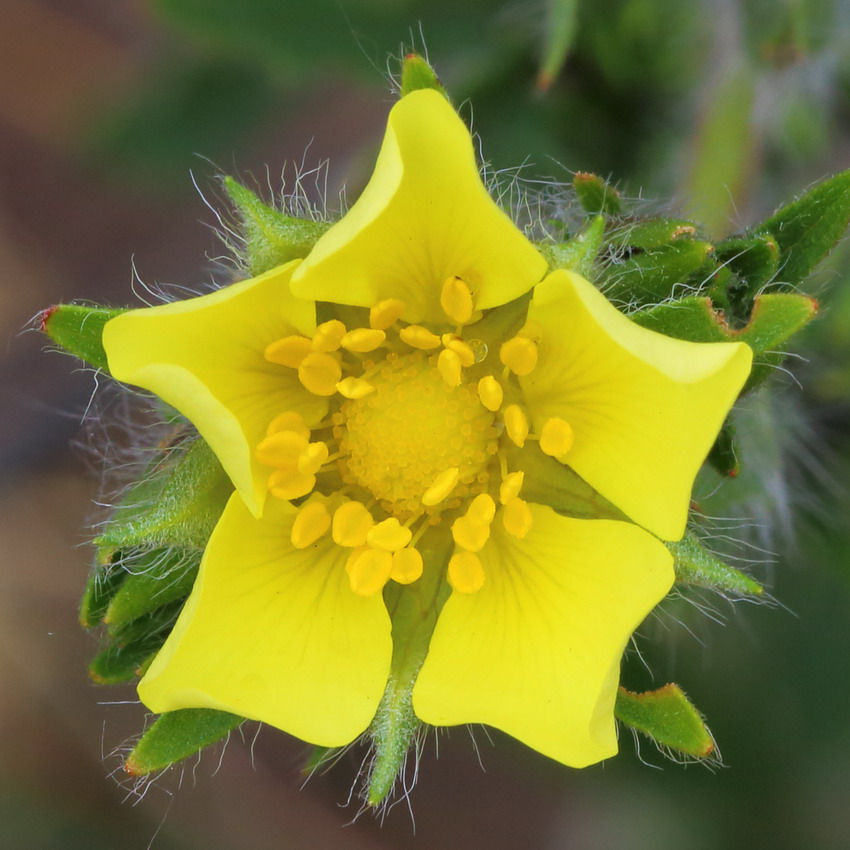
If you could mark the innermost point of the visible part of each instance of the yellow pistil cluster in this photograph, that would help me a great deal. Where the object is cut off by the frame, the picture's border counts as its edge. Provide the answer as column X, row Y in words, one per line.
column 412, row 440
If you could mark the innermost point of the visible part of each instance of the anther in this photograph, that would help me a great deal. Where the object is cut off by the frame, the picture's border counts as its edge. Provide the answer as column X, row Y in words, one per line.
column 354, row 388
column 519, row 355
column 289, row 351
column 510, row 486
column 311, row 459
column 456, row 300
column 385, row 313
column 312, row 521
column 516, row 424
column 328, row 335
column 351, row 523
column 389, row 535
column 289, row 421
column 290, row 484
column 283, row 448
column 407, row 566
column 449, row 366
column 368, row 570
column 441, row 487
column 556, row 438
column 362, row 340
column 491, row 393
column 481, row 510
column 418, row 337
column 470, row 535
column 456, row 344
column 516, row 517
column 465, row 574
column 319, row 373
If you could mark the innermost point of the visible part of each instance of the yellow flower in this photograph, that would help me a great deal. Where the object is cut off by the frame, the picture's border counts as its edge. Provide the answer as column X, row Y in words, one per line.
column 370, row 402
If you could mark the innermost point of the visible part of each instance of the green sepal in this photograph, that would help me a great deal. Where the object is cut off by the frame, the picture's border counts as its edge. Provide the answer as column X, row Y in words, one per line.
column 653, row 275
column 177, row 735
column 559, row 31
column 753, row 259
column 414, row 609
column 645, row 234
column 103, row 583
column 154, row 579
column 695, row 565
column 549, row 482
column 177, row 504
column 118, row 664
column 78, row 328
column 774, row 319
column 155, row 624
column 724, row 453
column 579, row 253
column 595, row 195
column 417, row 74
column 807, row 229
column 272, row 238
column 668, row 717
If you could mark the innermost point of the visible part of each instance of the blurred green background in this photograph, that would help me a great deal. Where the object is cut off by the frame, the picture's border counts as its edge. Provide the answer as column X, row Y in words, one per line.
column 722, row 109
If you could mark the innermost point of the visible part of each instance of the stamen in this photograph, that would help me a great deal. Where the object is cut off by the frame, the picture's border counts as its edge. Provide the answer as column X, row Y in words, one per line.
column 328, row 335
column 470, row 535
column 310, row 461
column 312, row 522
column 449, row 366
column 290, row 484
column 516, row 424
column 519, row 355
column 283, row 448
column 481, row 510
column 368, row 570
column 354, row 387
column 456, row 344
column 442, row 487
column 362, row 340
column 491, row 393
column 289, row 351
column 456, row 300
column 289, row 421
column 351, row 523
column 389, row 535
column 516, row 517
column 418, row 337
column 319, row 373
column 556, row 438
column 465, row 574
column 385, row 313
column 407, row 565
column 510, row 487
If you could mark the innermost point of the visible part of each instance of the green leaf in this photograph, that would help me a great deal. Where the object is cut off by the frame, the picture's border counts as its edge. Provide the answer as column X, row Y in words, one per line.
column 754, row 259
column 549, row 482
column 417, row 74
column 724, row 454
column 579, row 253
column 272, row 238
column 177, row 504
column 177, row 735
column 413, row 609
column 78, row 328
column 153, row 579
column 654, row 275
column 595, row 195
column 695, row 565
column 667, row 717
column 103, row 583
column 774, row 319
column 807, row 229
column 559, row 29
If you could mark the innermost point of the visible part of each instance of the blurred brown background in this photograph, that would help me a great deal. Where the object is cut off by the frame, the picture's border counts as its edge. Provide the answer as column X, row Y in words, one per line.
column 107, row 109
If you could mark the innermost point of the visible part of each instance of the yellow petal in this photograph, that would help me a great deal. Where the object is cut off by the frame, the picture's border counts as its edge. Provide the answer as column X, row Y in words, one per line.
column 274, row 633
column 204, row 356
column 424, row 217
column 644, row 408
column 535, row 651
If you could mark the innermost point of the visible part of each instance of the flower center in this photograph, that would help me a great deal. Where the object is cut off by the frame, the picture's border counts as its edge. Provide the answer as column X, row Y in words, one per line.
column 398, row 439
